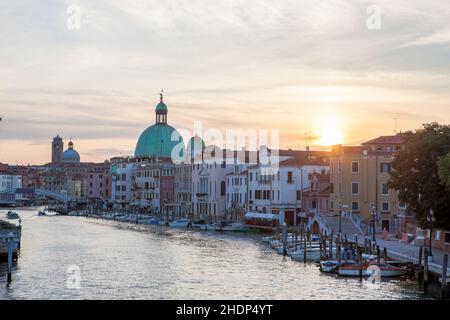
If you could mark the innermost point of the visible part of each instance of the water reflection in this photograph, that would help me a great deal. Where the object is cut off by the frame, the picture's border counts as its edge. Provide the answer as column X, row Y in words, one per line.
column 124, row 261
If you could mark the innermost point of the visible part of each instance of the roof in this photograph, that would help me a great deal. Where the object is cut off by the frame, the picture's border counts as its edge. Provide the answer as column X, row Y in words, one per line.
column 305, row 159
column 396, row 139
column 243, row 173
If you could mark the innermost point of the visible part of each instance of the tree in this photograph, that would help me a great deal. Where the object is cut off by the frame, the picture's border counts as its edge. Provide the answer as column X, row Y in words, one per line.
column 444, row 170
column 415, row 173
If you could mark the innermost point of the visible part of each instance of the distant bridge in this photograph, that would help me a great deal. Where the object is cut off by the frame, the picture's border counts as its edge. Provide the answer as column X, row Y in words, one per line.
column 61, row 197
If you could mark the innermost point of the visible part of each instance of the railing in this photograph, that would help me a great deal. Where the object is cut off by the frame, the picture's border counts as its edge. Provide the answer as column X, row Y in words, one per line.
column 356, row 220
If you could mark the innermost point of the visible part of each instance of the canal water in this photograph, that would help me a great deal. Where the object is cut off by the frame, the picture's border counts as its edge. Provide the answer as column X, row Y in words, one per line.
column 125, row 261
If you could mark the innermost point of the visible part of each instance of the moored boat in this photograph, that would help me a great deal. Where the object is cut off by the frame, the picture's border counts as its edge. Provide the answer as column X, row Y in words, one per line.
column 182, row 223
column 41, row 213
column 368, row 269
column 231, row 227
column 12, row 215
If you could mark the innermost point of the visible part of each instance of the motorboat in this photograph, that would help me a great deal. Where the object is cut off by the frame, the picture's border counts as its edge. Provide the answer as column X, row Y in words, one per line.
column 331, row 266
column 232, row 227
column 12, row 215
column 41, row 213
column 182, row 223
column 368, row 269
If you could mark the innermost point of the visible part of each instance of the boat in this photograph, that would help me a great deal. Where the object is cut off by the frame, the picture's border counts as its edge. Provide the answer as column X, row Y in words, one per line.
column 8, row 230
column 232, row 227
column 312, row 254
column 368, row 269
column 207, row 226
column 182, row 223
column 12, row 215
column 330, row 266
column 41, row 213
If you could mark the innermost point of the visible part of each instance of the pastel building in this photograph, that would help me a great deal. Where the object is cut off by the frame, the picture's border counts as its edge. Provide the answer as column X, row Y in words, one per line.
column 359, row 176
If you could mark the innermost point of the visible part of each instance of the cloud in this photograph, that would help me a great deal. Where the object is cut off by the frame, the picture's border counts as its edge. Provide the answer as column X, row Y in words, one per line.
column 231, row 64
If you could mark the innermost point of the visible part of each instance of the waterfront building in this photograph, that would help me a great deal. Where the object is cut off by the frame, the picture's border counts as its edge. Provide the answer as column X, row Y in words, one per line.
column 99, row 182
column 237, row 196
column 316, row 198
column 359, row 176
column 8, row 186
column 209, row 180
column 282, row 191
column 122, row 170
column 183, row 189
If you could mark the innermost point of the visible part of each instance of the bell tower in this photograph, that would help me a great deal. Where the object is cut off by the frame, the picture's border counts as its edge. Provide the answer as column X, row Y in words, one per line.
column 57, row 149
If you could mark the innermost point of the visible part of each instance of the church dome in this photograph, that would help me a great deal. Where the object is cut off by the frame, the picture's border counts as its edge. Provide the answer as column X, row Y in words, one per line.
column 160, row 139
column 70, row 155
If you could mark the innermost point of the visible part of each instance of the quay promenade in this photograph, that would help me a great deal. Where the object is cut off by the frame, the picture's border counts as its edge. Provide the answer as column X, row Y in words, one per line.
column 405, row 252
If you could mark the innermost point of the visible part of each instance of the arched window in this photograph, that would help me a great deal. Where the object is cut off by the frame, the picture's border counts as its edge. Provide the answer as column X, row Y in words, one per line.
column 222, row 188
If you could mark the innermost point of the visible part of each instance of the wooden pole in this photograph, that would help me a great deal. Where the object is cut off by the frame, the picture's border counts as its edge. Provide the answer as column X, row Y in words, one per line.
column 338, row 251
column 385, row 255
column 10, row 259
column 425, row 271
column 378, row 255
column 296, row 240
column 419, row 268
column 359, row 257
column 304, row 252
column 321, row 246
column 345, row 249
column 331, row 246
column 444, row 278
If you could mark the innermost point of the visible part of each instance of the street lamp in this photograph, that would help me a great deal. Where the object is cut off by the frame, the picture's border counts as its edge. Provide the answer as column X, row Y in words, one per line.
column 430, row 219
column 373, row 213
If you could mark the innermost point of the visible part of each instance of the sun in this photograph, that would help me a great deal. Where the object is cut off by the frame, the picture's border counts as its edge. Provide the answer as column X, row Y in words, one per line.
column 330, row 132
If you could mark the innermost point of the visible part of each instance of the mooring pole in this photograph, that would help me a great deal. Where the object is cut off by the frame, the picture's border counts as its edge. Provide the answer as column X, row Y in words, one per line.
column 419, row 268
column 10, row 258
column 444, row 278
column 331, row 245
column 425, row 271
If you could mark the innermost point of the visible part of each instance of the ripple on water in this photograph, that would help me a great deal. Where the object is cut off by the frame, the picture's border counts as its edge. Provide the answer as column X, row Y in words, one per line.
column 126, row 261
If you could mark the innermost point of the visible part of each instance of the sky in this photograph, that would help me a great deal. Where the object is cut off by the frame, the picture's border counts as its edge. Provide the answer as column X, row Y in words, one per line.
column 298, row 66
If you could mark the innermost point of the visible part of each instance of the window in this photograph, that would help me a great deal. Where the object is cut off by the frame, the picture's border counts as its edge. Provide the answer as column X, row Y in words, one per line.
column 355, row 206
column 385, row 207
column 339, row 167
column 355, row 167
column 384, row 189
column 355, row 188
column 222, row 188
column 290, row 180
column 447, row 237
column 299, row 195
column 385, row 167
column 251, row 176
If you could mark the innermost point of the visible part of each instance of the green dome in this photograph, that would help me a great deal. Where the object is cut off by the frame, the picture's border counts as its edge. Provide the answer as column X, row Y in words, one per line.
column 161, row 107
column 156, row 141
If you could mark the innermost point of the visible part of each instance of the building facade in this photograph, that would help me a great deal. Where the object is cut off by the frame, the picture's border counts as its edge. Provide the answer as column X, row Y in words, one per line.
column 359, row 176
